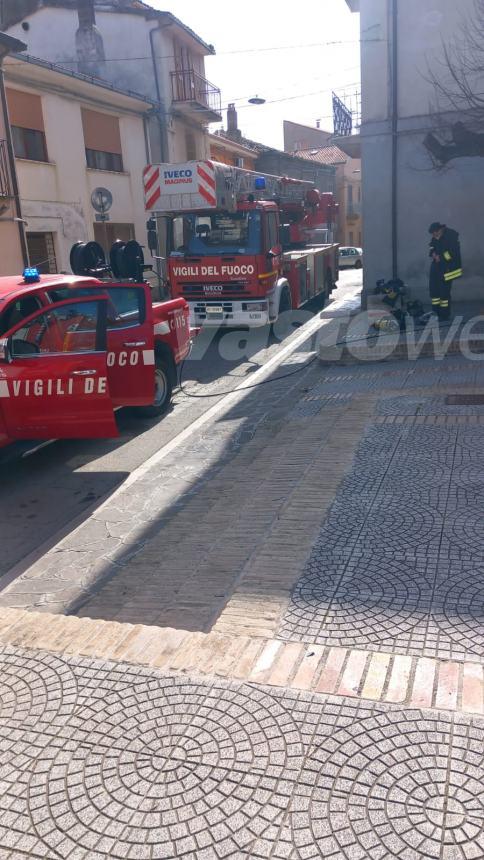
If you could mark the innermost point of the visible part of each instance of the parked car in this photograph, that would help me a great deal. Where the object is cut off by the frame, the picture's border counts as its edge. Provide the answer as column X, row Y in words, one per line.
column 351, row 258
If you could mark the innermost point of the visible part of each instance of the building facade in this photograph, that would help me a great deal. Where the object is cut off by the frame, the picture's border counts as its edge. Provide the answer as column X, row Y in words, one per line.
column 299, row 137
column 227, row 151
column 136, row 48
column 13, row 257
column 406, row 185
column 72, row 136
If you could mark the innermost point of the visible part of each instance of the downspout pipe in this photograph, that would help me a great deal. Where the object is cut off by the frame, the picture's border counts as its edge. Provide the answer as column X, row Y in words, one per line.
column 395, row 108
column 13, row 171
column 161, row 108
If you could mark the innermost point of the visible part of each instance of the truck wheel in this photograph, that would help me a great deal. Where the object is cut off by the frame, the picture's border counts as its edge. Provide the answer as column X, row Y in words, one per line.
column 163, row 391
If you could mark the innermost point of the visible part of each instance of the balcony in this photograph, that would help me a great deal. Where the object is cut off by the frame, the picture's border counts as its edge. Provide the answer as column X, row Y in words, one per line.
column 196, row 97
column 5, row 185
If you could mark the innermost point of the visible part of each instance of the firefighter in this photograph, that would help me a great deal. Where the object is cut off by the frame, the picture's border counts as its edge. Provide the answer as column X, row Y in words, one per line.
column 445, row 268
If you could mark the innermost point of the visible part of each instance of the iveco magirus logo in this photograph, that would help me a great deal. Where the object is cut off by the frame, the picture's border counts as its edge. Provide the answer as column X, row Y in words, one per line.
column 213, row 288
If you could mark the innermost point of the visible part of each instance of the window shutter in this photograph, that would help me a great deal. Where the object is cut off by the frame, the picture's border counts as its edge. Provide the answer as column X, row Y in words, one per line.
column 101, row 131
column 25, row 110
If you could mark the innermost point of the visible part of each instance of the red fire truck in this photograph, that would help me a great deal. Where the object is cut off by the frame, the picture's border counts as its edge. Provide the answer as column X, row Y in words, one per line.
column 73, row 349
column 240, row 245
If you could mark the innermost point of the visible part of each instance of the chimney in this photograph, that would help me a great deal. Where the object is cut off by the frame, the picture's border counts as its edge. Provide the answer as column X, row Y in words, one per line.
column 318, row 123
column 89, row 42
column 232, row 128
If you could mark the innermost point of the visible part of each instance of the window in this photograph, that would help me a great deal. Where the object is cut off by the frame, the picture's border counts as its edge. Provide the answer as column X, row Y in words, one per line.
column 126, row 307
column 42, row 252
column 104, row 160
column 235, row 233
column 17, row 311
column 350, row 195
column 29, row 143
column 102, row 141
column 72, row 328
column 27, row 122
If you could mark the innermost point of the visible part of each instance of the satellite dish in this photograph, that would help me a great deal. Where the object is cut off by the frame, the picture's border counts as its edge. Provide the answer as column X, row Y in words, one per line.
column 87, row 258
column 101, row 200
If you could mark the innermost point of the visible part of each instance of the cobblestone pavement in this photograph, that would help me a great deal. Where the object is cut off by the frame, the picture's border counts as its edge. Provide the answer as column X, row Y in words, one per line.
column 273, row 647
column 110, row 760
column 399, row 562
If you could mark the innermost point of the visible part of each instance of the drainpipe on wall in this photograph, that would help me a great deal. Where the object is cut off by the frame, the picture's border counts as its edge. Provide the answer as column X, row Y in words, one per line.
column 395, row 139
column 161, row 109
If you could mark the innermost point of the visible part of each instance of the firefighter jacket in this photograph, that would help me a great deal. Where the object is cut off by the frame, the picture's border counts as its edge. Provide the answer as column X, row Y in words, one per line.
column 448, row 249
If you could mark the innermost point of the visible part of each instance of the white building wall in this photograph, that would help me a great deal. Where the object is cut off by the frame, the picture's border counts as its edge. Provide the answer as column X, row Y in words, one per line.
column 56, row 196
column 424, row 194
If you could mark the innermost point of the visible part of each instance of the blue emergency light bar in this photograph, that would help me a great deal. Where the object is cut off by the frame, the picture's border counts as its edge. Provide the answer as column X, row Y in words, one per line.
column 31, row 275
column 260, row 183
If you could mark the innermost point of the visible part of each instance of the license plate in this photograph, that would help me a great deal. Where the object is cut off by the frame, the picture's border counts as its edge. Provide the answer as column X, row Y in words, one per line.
column 214, row 309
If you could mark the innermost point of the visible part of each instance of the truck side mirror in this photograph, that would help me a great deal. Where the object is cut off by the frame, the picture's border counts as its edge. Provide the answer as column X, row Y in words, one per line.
column 5, row 351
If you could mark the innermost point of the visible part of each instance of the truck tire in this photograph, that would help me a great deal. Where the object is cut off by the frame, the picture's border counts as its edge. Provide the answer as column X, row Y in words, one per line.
column 163, row 391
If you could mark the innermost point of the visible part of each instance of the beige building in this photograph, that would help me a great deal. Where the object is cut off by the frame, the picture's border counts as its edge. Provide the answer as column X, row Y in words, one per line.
column 421, row 151
column 72, row 136
column 13, row 256
column 298, row 136
column 135, row 47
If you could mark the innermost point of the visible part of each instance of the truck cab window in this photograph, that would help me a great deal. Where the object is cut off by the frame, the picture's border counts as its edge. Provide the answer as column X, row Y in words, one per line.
column 218, row 233
column 71, row 328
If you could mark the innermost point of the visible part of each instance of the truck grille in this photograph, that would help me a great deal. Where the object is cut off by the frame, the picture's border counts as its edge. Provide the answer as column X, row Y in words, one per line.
column 196, row 291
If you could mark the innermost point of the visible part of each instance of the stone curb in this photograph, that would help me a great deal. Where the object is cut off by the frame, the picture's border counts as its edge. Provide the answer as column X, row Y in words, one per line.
column 416, row 682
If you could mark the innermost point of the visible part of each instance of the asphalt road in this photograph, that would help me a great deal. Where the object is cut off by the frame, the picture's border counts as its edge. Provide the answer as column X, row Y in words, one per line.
column 57, row 486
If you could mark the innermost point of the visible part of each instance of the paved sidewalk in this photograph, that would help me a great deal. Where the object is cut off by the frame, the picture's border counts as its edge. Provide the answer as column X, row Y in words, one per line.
column 271, row 648
column 109, row 760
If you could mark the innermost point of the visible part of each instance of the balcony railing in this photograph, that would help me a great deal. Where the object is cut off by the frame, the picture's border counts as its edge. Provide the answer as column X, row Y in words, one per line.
column 5, row 184
column 191, row 89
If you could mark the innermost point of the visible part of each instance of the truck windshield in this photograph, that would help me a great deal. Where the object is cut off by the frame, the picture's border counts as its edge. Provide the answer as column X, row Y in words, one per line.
column 218, row 233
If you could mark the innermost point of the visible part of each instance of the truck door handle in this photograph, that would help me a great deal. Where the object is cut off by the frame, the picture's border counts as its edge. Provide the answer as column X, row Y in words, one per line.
column 135, row 343
column 84, row 373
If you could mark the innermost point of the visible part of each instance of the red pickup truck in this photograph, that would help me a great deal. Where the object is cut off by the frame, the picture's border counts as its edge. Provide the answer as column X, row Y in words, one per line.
column 73, row 349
